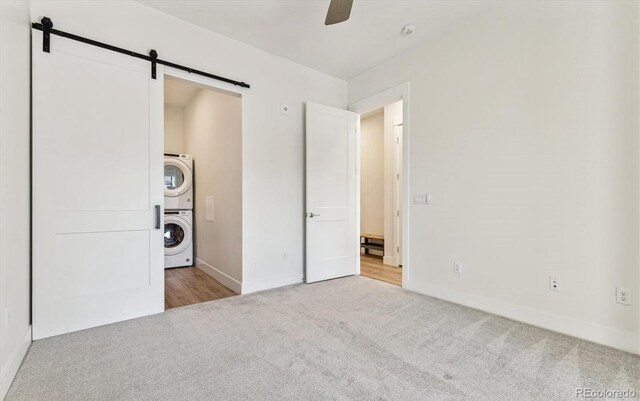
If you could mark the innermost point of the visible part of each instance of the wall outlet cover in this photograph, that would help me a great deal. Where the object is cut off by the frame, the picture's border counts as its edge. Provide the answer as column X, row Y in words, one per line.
column 457, row 267
column 623, row 295
column 554, row 283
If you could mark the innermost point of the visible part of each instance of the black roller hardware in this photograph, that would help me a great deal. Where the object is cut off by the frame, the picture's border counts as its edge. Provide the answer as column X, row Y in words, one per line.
column 46, row 26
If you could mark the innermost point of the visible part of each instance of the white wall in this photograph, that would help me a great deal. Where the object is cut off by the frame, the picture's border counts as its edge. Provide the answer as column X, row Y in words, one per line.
column 372, row 174
column 213, row 136
column 173, row 129
column 15, row 300
column 273, row 202
column 524, row 129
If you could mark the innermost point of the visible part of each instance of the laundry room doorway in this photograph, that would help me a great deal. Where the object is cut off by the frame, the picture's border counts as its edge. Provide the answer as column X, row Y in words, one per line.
column 202, row 191
column 381, row 193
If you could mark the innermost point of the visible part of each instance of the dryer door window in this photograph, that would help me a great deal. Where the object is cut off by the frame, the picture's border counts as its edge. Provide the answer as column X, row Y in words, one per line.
column 177, row 177
column 173, row 177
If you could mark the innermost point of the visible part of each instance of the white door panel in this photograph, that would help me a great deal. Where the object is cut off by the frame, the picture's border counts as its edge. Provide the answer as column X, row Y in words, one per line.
column 97, row 178
column 331, row 193
column 102, row 160
column 96, row 271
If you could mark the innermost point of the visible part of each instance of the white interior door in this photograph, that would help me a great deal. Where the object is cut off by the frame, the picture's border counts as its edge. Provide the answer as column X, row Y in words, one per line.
column 97, row 181
column 332, row 245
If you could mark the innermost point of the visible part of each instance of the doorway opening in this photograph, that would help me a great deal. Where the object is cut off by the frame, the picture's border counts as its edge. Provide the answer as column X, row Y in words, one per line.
column 203, row 192
column 381, row 193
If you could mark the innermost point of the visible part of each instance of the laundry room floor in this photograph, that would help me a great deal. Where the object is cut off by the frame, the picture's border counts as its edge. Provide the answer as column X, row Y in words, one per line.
column 190, row 285
column 372, row 267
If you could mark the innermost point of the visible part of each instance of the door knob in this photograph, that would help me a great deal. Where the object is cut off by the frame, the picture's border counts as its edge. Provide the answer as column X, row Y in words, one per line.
column 312, row 215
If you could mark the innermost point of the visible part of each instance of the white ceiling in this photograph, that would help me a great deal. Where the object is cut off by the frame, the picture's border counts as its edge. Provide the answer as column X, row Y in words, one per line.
column 294, row 29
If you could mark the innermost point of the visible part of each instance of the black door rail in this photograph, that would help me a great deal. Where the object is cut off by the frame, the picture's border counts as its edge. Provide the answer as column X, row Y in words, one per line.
column 46, row 26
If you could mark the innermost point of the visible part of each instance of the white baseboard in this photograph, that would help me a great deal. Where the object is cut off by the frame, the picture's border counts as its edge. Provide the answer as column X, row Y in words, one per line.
column 269, row 284
column 225, row 279
column 13, row 364
column 389, row 260
column 611, row 337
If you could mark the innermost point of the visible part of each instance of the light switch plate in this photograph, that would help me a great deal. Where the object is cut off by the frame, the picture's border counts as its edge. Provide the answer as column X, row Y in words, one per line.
column 284, row 109
column 421, row 199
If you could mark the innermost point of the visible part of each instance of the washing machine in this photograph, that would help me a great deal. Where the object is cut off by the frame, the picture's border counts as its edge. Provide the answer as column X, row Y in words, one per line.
column 178, row 238
column 178, row 182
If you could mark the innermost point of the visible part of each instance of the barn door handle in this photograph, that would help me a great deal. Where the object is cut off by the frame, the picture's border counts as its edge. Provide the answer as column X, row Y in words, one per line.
column 157, row 217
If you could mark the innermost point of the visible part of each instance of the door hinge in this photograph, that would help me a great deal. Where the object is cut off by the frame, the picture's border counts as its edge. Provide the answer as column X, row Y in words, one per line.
column 397, row 176
column 398, row 213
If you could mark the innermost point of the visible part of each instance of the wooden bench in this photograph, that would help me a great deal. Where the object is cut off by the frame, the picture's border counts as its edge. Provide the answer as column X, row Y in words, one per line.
column 370, row 242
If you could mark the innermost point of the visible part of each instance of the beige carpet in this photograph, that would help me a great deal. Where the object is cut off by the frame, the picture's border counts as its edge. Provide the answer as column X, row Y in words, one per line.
column 346, row 339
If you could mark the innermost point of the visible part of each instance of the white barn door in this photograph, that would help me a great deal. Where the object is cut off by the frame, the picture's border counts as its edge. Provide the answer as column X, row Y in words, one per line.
column 97, row 187
column 332, row 244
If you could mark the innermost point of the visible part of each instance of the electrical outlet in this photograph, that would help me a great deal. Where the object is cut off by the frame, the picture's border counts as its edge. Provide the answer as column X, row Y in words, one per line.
column 554, row 283
column 457, row 267
column 623, row 296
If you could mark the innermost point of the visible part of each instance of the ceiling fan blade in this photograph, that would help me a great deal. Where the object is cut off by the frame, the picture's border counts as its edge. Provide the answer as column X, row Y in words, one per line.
column 339, row 11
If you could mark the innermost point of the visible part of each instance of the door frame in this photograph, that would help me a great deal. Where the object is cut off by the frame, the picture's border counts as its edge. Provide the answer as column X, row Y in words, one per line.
column 205, row 82
column 397, row 189
column 233, row 90
column 373, row 102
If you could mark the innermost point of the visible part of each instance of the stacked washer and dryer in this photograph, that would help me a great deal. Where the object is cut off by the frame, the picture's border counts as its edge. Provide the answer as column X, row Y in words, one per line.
column 178, row 210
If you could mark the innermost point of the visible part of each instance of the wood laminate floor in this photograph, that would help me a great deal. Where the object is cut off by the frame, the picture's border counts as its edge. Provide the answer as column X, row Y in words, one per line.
column 372, row 267
column 189, row 285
